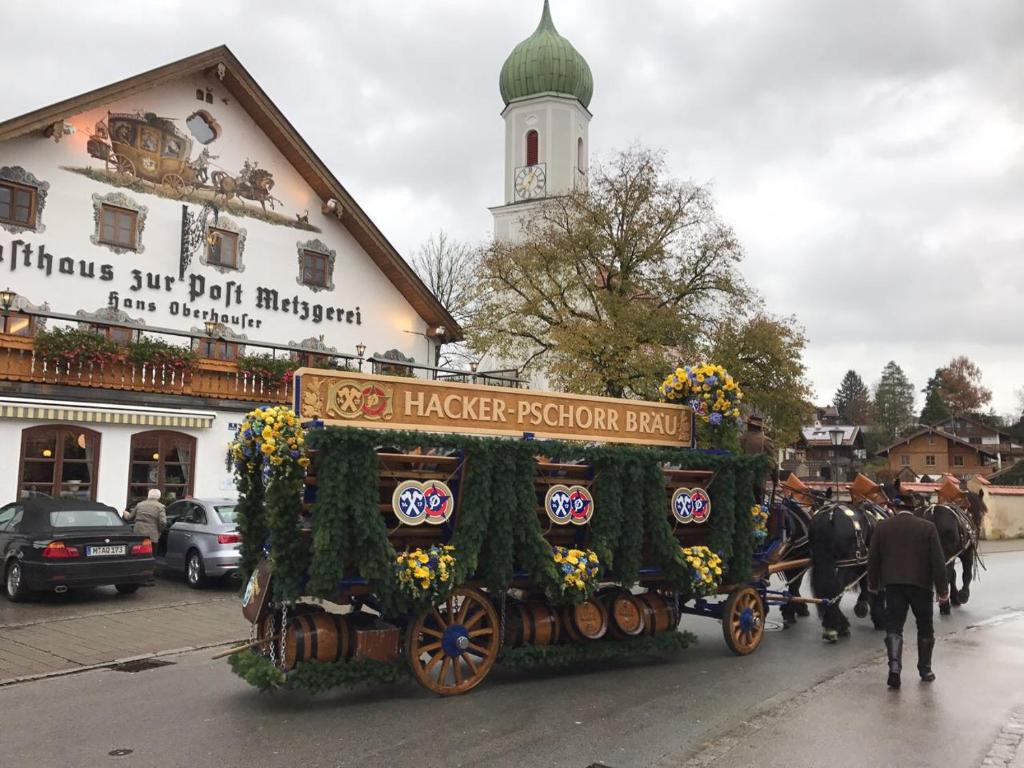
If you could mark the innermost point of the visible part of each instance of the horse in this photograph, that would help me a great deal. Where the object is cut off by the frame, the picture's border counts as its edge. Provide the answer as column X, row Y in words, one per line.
column 839, row 537
column 252, row 184
column 958, row 534
column 795, row 527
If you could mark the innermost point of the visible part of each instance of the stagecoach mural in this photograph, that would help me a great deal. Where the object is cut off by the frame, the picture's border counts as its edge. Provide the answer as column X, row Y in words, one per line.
column 148, row 153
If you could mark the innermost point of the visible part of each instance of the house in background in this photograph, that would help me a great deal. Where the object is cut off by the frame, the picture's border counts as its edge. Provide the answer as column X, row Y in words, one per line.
column 813, row 455
column 977, row 432
column 933, row 452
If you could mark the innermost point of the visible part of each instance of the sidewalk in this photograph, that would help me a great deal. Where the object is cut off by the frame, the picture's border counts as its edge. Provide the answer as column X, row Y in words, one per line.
column 973, row 715
column 56, row 644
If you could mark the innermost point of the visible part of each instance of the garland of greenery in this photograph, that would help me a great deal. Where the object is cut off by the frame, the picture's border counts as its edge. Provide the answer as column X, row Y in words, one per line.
column 498, row 530
column 533, row 656
column 314, row 676
column 251, row 520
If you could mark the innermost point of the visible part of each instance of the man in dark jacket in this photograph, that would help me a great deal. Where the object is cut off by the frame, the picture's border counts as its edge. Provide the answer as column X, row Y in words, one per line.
column 906, row 560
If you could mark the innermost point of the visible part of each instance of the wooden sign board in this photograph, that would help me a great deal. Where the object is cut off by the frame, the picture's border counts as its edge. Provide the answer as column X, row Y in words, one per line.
column 345, row 398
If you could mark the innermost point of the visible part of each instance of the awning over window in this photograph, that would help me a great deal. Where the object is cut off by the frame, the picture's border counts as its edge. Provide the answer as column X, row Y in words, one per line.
column 55, row 410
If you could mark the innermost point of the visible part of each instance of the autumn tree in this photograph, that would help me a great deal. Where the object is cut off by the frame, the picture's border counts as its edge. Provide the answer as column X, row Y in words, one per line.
column 960, row 386
column 935, row 408
column 611, row 286
column 893, row 402
column 449, row 269
column 852, row 400
column 765, row 354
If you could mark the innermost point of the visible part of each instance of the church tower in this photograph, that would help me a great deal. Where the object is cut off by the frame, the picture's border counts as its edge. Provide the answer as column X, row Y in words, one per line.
column 546, row 86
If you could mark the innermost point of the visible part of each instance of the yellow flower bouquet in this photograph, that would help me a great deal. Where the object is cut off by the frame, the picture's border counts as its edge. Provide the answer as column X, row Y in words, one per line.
column 426, row 576
column 271, row 438
column 714, row 395
column 705, row 570
column 577, row 570
column 759, row 512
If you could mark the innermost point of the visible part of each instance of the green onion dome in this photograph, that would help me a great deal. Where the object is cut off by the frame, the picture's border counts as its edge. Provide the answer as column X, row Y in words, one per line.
column 545, row 62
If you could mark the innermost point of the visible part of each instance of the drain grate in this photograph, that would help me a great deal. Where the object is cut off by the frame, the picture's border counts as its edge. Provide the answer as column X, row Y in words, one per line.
column 141, row 665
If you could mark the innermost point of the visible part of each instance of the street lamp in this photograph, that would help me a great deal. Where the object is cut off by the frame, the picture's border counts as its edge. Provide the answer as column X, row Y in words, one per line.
column 360, row 350
column 836, row 437
column 7, row 298
column 473, row 365
column 212, row 328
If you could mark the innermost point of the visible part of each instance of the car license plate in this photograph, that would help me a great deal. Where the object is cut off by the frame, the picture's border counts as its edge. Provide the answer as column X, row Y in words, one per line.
column 104, row 551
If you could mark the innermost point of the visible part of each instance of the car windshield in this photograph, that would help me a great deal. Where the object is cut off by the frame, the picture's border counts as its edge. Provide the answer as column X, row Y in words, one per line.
column 226, row 513
column 85, row 518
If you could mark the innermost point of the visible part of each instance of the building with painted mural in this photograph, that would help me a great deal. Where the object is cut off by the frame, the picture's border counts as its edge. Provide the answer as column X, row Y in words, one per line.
column 179, row 218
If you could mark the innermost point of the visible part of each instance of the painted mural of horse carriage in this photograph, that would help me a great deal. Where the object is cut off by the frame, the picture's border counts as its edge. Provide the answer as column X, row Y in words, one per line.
column 147, row 147
column 447, row 553
column 152, row 148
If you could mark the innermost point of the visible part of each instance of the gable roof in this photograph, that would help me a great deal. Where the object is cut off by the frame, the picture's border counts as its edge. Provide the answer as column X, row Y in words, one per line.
column 283, row 135
column 976, row 422
column 940, row 433
column 818, row 434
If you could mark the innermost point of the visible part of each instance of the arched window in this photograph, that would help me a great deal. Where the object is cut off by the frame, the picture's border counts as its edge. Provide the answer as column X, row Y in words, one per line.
column 164, row 460
column 581, row 164
column 59, row 461
column 531, row 147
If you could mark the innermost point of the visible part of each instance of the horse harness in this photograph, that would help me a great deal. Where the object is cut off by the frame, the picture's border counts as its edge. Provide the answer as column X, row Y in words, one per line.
column 968, row 531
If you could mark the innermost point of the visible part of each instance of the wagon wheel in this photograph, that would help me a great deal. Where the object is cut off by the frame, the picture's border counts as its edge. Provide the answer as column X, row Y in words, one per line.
column 120, row 164
column 175, row 184
column 452, row 647
column 743, row 620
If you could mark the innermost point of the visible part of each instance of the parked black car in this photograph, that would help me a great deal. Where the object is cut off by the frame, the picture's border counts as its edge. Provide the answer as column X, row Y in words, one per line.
column 57, row 544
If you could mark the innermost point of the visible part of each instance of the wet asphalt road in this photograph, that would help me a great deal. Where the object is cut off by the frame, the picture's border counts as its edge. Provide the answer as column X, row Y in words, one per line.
column 687, row 710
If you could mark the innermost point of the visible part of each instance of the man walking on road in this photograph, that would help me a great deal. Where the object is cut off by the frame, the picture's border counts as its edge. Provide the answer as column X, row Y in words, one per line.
column 906, row 560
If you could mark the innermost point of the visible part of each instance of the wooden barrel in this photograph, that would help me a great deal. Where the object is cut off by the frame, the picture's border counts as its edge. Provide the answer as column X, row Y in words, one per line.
column 533, row 622
column 317, row 637
column 270, row 624
column 625, row 613
column 659, row 613
column 586, row 621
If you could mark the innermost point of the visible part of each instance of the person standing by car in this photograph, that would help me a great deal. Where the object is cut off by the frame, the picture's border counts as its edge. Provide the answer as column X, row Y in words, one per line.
column 906, row 560
column 149, row 516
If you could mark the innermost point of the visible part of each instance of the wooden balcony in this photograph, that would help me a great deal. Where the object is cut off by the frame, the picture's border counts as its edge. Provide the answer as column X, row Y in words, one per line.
column 214, row 379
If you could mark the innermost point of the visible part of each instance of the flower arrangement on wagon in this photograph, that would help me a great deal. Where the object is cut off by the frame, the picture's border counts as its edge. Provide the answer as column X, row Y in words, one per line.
column 426, row 576
column 271, row 437
column 759, row 513
column 577, row 570
column 705, row 570
column 708, row 388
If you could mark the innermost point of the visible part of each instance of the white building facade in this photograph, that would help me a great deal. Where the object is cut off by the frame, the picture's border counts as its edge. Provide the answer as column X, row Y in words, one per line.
column 178, row 206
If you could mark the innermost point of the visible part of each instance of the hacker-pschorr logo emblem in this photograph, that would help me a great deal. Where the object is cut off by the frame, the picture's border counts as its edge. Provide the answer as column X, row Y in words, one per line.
column 349, row 399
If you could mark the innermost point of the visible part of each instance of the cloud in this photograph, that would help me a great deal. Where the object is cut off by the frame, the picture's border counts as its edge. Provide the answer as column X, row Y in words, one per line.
column 870, row 155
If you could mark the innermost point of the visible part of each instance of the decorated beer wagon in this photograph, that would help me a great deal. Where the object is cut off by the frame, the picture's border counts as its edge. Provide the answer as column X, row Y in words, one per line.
column 446, row 527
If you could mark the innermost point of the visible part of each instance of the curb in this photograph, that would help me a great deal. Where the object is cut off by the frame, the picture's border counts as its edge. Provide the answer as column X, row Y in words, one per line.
column 115, row 662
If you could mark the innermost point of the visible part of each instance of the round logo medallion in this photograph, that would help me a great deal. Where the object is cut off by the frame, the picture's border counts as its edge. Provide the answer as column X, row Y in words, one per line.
column 682, row 505
column 557, row 504
column 581, row 505
column 701, row 505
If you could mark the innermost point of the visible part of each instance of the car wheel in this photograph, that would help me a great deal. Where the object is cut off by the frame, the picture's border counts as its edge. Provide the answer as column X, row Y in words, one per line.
column 127, row 589
column 14, row 583
column 195, row 573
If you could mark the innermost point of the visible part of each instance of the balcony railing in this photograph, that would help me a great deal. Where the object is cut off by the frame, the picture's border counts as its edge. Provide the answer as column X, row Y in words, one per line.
column 213, row 379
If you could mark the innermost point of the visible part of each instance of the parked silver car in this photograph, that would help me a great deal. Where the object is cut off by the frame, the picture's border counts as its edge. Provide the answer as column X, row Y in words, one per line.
column 201, row 540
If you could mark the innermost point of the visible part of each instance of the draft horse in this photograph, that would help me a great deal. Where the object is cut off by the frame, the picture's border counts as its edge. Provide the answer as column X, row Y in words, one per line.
column 839, row 538
column 958, row 528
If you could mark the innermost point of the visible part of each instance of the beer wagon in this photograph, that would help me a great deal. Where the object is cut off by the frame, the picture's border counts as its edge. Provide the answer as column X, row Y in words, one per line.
column 435, row 534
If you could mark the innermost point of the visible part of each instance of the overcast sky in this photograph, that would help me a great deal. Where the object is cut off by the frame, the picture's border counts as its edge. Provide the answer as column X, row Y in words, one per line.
column 869, row 154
